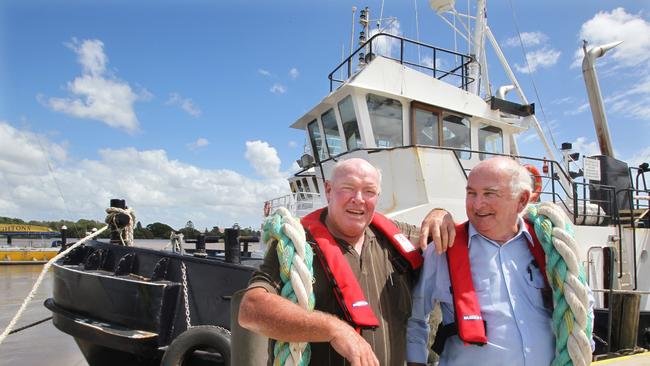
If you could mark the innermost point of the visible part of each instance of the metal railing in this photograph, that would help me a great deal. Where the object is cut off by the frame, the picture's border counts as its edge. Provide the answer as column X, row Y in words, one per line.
column 299, row 203
column 437, row 67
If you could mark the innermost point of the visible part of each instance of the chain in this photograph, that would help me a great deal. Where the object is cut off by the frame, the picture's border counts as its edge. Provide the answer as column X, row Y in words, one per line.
column 186, row 298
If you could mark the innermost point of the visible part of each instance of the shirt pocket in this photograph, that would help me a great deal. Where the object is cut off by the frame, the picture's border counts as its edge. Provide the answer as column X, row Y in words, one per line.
column 534, row 277
column 535, row 285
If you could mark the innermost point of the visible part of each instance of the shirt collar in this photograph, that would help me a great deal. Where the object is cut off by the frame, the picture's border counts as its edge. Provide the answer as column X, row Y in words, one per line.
column 523, row 230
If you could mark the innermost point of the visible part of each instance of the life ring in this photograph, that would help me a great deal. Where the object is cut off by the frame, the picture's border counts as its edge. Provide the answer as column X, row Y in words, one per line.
column 537, row 182
column 203, row 337
column 267, row 208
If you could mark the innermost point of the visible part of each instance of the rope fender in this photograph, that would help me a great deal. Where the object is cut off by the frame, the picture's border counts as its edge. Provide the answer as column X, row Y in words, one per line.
column 572, row 321
column 297, row 275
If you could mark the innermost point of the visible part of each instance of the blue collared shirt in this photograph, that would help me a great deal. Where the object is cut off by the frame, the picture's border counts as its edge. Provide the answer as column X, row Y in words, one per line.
column 508, row 286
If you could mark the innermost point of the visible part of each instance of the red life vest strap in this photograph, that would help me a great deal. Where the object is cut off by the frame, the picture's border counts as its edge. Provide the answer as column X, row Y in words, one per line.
column 466, row 306
column 347, row 291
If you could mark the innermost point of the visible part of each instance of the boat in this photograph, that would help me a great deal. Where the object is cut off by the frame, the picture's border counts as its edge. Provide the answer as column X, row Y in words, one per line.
column 34, row 252
column 428, row 121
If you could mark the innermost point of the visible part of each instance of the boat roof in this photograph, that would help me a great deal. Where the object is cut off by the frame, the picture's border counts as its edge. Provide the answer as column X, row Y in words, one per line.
column 24, row 229
column 387, row 77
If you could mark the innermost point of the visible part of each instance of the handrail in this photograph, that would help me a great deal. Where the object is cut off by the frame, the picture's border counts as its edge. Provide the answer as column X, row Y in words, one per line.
column 464, row 62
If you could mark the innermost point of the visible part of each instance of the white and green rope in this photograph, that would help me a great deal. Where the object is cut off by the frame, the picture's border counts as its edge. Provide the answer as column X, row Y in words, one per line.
column 297, row 274
column 572, row 320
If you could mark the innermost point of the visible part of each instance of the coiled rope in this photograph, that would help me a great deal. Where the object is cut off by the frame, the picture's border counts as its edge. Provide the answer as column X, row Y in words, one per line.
column 126, row 232
column 297, row 273
column 572, row 321
column 39, row 280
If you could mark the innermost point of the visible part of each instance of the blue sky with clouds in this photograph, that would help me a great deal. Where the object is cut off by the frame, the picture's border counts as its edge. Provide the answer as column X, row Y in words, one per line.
column 183, row 108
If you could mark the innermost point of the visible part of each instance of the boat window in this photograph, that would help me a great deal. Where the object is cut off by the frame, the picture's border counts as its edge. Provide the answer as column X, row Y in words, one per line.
column 300, row 189
column 316, row 141
column 455, row 133
column 349, row 122
column 490, row 139
column 331, row 130
column 386, row 120
column 426, row 127
column 315, row 183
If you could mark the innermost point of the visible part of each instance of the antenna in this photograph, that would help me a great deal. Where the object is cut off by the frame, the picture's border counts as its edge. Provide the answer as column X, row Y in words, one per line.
column 354, row 10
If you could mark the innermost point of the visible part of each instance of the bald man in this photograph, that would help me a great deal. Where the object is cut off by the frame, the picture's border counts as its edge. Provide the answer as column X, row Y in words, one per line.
column 363, row 274
column 507, row 319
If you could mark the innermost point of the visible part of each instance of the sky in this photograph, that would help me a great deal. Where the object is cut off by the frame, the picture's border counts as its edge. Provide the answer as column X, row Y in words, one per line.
column 183, row 107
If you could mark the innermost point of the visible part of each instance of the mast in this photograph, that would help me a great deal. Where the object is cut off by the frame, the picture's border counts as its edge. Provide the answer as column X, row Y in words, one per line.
column 479, row 40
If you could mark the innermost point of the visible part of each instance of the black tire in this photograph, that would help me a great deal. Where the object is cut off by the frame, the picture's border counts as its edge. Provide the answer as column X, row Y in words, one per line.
column 203, row 337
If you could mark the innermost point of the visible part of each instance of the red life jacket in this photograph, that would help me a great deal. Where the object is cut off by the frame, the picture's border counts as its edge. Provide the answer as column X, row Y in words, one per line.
column 346, row 288
column 471, row 328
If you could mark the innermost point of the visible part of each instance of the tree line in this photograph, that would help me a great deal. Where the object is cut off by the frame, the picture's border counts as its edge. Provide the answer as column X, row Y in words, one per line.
column 157, row 230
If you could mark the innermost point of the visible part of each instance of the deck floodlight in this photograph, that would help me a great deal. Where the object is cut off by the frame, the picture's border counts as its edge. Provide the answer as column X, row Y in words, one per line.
column 575, row 156
column 566, row 146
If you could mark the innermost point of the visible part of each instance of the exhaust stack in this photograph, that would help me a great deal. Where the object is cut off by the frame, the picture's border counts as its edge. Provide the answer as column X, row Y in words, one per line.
column 595, row 98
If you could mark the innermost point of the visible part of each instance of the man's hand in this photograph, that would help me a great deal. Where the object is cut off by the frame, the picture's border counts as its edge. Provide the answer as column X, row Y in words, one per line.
column 440, row 226
column 352, row 346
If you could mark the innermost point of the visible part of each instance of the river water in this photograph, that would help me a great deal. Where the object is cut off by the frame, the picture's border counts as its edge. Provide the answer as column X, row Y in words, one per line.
column 42, row 344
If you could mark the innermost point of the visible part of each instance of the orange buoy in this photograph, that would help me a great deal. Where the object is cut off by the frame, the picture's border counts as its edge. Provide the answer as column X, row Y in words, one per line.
column 537, row 182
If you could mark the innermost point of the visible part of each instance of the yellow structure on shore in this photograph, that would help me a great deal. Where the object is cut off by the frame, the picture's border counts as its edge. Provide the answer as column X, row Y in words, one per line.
column 10, row 254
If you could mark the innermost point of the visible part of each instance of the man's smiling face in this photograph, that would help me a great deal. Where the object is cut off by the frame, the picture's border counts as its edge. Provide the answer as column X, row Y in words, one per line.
column 490, row 204
column 352, row 196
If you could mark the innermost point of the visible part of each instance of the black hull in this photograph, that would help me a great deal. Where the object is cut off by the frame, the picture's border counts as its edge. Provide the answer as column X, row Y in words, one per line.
column 124, row 305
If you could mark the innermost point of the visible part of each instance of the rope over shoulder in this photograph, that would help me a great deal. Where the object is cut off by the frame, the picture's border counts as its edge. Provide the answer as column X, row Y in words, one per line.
column 297, row 275
column 572, row 321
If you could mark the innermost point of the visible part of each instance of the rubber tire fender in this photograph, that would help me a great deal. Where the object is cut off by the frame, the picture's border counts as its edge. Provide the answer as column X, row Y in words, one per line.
column 199, row 337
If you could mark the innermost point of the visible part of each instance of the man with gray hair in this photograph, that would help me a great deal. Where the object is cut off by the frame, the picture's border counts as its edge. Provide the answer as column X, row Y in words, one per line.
column 495, row 300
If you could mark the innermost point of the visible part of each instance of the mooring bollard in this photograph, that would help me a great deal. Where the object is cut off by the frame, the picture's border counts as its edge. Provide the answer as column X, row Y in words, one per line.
column 232, row 250
column 200, row 247
column 64, row 237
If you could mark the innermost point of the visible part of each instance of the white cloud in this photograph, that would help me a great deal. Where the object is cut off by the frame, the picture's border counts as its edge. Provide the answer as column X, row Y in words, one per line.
column 292, row 144
column 157, row 187
column 573, row 112
column 263, row 72
column 617, row 25
column 199, row 143
column 528, row 39
column 185, row 103
column 584, row 147
column 96, row 95
column 529, row 137
column 632, row 102
column 541, row 58
column 565, row 100
column 641, row 156
column 263, row 158
column 386, row 46
column 294, row 73
column 23, row 151
column 278, row 88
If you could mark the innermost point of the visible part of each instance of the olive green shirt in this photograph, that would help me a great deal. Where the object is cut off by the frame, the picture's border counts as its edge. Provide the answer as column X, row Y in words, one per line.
column 387, row 289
